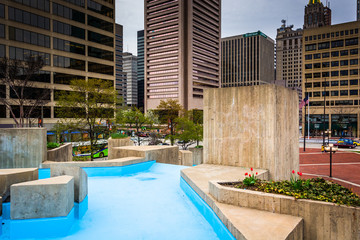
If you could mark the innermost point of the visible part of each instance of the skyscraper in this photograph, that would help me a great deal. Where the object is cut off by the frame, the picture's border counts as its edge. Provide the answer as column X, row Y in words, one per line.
column 247, row 60
column 120, row 83
column 130, row 69
column 74, row 37
column 358, row 10
column 316, row 14
column 182, row 50
column 140, row 69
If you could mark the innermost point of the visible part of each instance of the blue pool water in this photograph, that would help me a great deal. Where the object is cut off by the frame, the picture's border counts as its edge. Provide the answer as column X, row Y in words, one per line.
column 145, row 205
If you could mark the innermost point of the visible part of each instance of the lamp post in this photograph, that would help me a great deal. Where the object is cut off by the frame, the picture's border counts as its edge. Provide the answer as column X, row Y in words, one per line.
column 331, row 146
column 324, row 113
column 305, row 118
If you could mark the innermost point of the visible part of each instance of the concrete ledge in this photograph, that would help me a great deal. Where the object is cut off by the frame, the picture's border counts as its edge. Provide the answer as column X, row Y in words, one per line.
column 117, row 143
column 197, row 155
column 258, row 224
column 46, row 198
column 60, row 154
column 107, row 163
column 80, row 179
column 15, row 175
column 162, row 154
column 322, row 220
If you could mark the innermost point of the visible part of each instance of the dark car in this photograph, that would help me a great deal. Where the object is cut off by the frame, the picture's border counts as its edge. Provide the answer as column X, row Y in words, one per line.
column 142, row 134
column 344, row 145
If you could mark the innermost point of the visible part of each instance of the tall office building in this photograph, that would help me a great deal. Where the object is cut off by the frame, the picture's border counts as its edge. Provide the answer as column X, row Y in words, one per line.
column 317, row 15
column 182, row 50
column 130, row 69
column 140, row 69
column 358, row 10
column 288, row 55
column 74, row 37
column 120, row 76
column 331, row 66
column 247, row 60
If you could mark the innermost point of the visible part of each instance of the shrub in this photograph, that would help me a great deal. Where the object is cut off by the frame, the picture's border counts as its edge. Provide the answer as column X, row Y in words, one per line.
column 51, row 145
column 199, row 146
column 118, row 135
column 81, row 158
column 250, row 179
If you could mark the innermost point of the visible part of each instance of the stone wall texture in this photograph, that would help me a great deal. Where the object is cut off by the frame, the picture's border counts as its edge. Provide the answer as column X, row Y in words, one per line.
column 186, row 157
column 117, row 143
column 45, row 198
column 253, row 126
column 197, row 155
column 61, row 154
column 22, row 147
column 322, row 220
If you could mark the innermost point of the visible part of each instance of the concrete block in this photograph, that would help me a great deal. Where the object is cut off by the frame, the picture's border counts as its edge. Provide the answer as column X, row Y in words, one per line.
column 22, row 147
column 197, row 155
column 45, row 198
column 121, row 142
column 17, row 175
column 60, row 154
column 80, row 179
column 186, row 157
column 245, row 126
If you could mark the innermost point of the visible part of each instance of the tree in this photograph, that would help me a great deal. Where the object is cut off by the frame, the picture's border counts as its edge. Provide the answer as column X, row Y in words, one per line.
column 89, row 103
column 189, row 132
column 132, row 118
column 169, row 111
column 17, row 89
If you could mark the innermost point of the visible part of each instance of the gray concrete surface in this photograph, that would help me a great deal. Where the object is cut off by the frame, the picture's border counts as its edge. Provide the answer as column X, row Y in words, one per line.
column 22, row 147
column 80, row 179
column 186, row 157
column 11, row 176
column 117, row 143
column 60, row 154
column 197, row 155
column 108, row 163
column 45, row 198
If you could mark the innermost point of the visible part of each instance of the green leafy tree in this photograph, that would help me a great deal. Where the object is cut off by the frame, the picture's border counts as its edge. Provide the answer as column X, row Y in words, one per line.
column 132, row 118
column 169, row 111
column 188, row 132
column 89, row 103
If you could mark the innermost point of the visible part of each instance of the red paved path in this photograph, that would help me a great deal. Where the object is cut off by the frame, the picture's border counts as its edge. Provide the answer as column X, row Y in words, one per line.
column 346, row 166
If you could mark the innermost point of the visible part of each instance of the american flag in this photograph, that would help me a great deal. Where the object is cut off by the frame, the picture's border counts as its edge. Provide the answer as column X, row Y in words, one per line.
column 304, row 102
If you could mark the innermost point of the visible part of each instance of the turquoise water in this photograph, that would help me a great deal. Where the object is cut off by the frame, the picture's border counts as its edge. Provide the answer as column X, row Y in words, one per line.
column 145, row 205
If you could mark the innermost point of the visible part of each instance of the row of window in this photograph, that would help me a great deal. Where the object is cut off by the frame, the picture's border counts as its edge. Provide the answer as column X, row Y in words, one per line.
column 99, row 8
column 354, row 92
column 43, row 5
column 23, row 54
column 333, row 64
column 2, row 31
column 2, row 51
column 66, row 62
column 333, row 54
column 353, row 82
column 334, row 103
column 25, row 36
column 101, row 24
column 100, row 38
column 351, row 72
column 68, row 29
column 333, row 34
column 334, row 44
column 29, row 18
column 68, row 46
column 2, row 11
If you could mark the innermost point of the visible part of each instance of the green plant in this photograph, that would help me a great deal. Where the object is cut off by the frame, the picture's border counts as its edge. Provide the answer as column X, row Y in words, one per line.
column 81, row 158
column 118, row 135
column 199, row 146
column 295, row 181
column 250, row 179
column 52, row 145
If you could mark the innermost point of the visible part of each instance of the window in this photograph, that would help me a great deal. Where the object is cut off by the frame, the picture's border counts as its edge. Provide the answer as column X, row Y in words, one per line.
column 20, row 35
column 351, row 41
column 325, row 55
column 316, row 94
column 2, row 11
column 334, row 83
column 344, row 92
column 335, row 63
column 317, row 84
column 65, row 62
column 344, row 82
column 344, row 72
column 354, row 62
column 80, row 3
column 43, row 5
column 2, row 51
column 325, row 64
column 99, row 38
column 67, row 46
column 308, row 85
column 354, row 72
column 2, row 31
column 101, row 24
column 317, row 56
column 354, row 82
column 310, row 47
column 68, row 29
column 308, row 66
column 338, row 43
column 23, row 54
column 308, row 57
column 325, row 74
column 29, row 18
column 100, row 68
column 101, row 9
column 354, row 51
column 335, row 54
column 62, row 78
column 334, row 93
column 100, row 53
column 317, row 75
column 344, row 62
column 354, row 92
column 344, row 52
column 68, row 13
column 335, row 73
column 324, row 45
column 317, row 65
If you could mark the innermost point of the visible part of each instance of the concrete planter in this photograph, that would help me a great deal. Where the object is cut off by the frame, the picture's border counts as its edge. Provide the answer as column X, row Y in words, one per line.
column 198, row 154
column 22, row 147
column 60, row 154
column 322, row 220
column 121, row 142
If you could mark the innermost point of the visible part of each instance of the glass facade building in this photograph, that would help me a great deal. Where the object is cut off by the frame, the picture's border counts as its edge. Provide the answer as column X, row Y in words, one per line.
column 140, row 68
column 74, row 37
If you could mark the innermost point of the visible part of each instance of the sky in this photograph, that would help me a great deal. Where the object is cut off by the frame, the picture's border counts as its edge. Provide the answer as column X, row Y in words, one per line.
column 238, row 16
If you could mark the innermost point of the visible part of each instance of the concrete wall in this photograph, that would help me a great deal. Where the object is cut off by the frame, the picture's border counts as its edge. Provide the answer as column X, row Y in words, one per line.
column 322, row 220
column 253, row 126
column 22, row 147
column 117, row 143
column 186, row 158
column 60, row 154
column 162, row 154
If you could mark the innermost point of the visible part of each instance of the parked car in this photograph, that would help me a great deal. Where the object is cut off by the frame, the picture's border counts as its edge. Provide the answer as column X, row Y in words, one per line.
column 347, row 141
column 142, row 134
column 344, row 145
column 163, row 143
column 356, row 141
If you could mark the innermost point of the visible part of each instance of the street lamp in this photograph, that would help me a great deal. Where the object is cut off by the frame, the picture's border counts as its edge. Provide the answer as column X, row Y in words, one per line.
column 324, row 113
column 305, row 117
column 331, row 146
